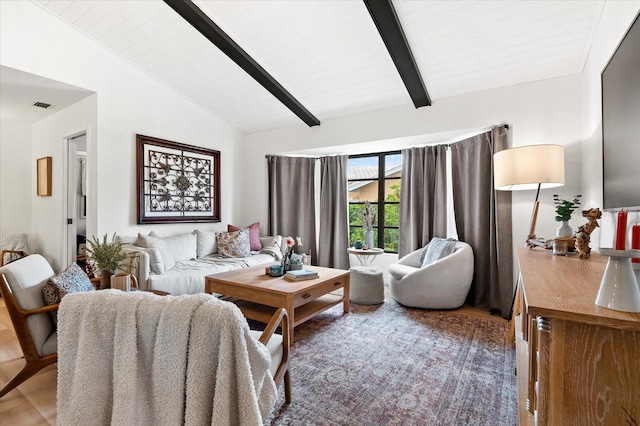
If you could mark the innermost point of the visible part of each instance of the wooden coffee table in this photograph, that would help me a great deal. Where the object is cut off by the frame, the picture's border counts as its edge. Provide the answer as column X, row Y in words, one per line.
column 258, row 295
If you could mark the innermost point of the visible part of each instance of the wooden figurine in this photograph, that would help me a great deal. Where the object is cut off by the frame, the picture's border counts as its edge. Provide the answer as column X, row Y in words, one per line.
column 583, row 235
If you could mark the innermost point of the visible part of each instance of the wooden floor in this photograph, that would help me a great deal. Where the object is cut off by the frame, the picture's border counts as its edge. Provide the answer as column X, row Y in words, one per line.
column 34, row 401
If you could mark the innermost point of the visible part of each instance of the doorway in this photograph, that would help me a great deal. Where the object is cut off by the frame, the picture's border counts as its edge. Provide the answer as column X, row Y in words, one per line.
column 76, row 199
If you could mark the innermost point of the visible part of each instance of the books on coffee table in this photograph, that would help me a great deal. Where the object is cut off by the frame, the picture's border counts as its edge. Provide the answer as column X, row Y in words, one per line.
column 302, row 274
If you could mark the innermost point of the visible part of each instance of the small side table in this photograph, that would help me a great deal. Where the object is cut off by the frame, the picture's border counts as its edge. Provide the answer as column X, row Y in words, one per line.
column 365, row 257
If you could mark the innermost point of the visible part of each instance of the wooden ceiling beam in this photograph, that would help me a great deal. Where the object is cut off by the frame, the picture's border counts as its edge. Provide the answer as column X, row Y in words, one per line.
column 201, row 22
column 386, row 20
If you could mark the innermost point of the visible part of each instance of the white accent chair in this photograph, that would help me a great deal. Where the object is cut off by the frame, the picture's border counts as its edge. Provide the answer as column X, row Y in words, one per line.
column 443, row 284
column 21, row 286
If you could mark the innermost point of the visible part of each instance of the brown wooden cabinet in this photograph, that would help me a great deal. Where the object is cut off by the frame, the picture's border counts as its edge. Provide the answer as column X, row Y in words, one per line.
column 578, row 363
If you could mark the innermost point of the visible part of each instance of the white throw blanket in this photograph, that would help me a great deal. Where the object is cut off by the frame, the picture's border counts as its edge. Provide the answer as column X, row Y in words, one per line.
column 138, row 358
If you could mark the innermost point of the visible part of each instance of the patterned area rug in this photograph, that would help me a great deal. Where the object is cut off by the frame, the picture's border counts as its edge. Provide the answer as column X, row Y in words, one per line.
column 391, row 365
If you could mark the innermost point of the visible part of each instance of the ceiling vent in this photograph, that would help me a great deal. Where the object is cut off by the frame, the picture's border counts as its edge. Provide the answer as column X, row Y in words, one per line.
column 42, row 105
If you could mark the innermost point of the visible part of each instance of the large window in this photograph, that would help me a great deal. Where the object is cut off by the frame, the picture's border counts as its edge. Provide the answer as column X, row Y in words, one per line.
column 375, row 178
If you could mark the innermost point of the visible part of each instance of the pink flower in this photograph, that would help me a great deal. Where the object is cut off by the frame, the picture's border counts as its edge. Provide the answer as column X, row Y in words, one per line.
column 289, row 242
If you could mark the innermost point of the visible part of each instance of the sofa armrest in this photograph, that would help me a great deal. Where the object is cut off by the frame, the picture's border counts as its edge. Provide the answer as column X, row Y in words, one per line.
column 141, row 268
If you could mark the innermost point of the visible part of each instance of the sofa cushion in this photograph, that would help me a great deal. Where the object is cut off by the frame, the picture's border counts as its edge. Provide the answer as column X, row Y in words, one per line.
column 206, row 243
column 254, row 235
column 234, row 244
column 161, row 257
column 437, row 249
column 181, row 246
column 71, row 280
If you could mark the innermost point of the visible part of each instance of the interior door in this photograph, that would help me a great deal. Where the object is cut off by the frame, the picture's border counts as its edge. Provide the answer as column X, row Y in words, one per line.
column 75, row 196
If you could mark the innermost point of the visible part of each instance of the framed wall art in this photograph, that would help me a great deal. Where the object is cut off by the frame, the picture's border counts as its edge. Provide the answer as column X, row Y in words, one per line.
column 43, row 176
column 177, row 182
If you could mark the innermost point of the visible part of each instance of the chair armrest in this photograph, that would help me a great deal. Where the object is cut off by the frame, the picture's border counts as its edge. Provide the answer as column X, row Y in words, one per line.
column 42, row 310
column 279, row 317
column 412, row 259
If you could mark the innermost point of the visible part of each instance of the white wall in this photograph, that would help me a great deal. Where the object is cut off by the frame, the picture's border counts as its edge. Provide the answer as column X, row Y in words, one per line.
column 616, row 19
column 128, row 102
column 48, row 219
column 542, row 112
column 18, row 183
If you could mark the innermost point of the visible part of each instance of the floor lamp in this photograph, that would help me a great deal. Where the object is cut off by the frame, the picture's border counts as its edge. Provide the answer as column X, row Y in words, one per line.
column 529, row 167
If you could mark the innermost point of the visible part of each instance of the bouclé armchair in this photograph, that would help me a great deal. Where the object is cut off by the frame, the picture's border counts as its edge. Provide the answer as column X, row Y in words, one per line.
column 443, row 284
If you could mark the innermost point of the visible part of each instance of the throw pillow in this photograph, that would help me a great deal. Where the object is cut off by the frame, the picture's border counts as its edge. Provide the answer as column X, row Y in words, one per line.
column 72, row 280
column 163, row 255
column 206, row 243
column 437, row 249
column 254, row 235
column 234, row 244
column 272, row 240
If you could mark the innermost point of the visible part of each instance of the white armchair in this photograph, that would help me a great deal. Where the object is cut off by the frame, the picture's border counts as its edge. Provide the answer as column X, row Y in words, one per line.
column 443, row 284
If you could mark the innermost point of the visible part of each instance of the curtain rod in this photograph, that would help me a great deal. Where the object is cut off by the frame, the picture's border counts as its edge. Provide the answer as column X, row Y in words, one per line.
column 506, row 126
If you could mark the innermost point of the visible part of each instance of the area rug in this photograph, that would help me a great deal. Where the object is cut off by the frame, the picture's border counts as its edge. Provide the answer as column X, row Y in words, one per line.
column 392, row 365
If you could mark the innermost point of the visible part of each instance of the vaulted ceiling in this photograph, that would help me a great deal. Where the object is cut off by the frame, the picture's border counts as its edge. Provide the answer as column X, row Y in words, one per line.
column 329, row 55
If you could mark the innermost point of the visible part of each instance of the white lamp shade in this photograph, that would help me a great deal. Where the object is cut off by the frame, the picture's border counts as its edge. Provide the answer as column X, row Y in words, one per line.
column 527, row 166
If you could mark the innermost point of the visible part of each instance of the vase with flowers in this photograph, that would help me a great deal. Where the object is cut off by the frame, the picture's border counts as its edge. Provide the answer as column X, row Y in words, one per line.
column 290, row 244
column 564, row 210
column 368, row 218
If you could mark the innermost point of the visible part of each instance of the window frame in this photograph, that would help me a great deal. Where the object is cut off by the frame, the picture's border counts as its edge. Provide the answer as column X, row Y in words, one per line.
column 381, row 179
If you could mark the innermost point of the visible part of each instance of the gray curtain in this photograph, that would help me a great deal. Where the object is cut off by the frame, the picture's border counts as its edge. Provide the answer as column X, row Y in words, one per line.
column 423, row 204
column 334, row 219
column 291, row 199
column 483, row 220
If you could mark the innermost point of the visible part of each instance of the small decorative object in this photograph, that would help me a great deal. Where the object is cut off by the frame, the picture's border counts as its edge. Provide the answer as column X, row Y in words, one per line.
column 619, row 287
column 109, row 257
column 560, row 247
column 43, row 168
column 583, row 236
column 275, row 270
column 635, row 243
column 365, row 247
column 564, row 210
column 177, row 182
column 295, row 265
column 357, row 245
column 368, row 217
column 621, row 230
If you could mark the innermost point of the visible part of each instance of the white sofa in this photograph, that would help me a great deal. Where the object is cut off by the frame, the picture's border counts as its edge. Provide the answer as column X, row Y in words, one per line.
column 195, row 256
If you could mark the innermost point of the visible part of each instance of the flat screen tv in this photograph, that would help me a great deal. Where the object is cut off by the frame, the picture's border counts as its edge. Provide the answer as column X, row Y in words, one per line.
column 621, row 124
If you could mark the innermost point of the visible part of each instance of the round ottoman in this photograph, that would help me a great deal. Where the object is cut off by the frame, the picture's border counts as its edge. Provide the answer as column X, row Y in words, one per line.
column 366, row 285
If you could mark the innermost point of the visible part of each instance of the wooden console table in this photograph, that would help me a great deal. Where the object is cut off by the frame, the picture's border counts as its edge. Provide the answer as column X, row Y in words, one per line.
column 578, row 363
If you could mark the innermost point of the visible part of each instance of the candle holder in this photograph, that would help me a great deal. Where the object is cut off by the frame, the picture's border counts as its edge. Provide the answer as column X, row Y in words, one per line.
column 619, row 287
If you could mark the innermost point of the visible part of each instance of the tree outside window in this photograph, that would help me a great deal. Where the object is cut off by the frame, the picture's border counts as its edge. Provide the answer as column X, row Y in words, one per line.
column 375, row 177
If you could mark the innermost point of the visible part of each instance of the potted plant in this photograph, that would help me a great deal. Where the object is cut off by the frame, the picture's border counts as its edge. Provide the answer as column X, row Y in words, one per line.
column 109, row 257
column 564, row 210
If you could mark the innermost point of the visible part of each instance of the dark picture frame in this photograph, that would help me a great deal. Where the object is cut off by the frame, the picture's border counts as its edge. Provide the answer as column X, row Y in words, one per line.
column 176, row 182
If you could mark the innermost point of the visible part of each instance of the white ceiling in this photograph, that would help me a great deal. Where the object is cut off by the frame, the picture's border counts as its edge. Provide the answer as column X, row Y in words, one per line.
column 20, row 90
column 329, row 55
